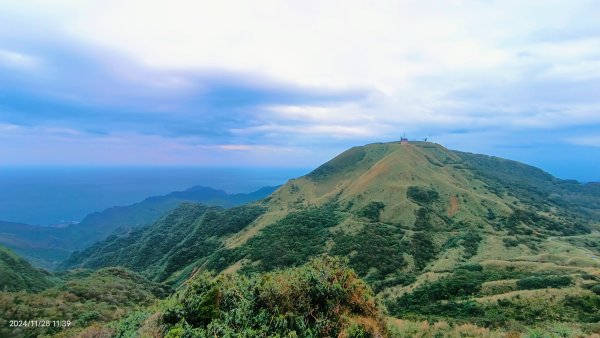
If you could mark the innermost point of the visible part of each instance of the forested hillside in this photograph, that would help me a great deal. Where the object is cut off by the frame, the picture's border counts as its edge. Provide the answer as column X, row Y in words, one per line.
column 48, row 246
column 17, row 274
column 182, row 240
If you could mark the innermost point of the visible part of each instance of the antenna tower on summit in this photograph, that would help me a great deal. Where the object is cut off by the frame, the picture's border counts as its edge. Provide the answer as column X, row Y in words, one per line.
column 403, row 139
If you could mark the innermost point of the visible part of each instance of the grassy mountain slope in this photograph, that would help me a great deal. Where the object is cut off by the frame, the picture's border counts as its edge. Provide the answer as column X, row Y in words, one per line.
column 186, row 236
column 536, row 187
column 437, row 234
column 17, row 274
column 101, row 224
column 47, row 246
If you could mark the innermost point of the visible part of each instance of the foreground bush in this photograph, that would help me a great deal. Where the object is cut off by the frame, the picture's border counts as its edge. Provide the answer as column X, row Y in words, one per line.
column 87, row 299
column 320, row 299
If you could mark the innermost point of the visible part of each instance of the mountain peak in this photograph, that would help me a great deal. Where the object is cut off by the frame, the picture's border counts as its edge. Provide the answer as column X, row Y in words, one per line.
column 384, row 172
column 390, row 208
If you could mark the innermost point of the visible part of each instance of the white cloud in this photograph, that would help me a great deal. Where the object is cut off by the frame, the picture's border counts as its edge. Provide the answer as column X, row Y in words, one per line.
column 336, row 43
column 429, row 65
column 585, row 140
column 19, row 60
column 8, row 128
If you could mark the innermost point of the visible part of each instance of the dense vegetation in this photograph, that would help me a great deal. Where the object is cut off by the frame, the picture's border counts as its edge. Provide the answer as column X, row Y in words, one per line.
column 48, row 246
column 320, row 299
column 294, row 239
column 80, row 297
column 189, row 233
column 376, row 252
column 42, row 246
column 422, row 195
column 17, row 274
column 461, row 296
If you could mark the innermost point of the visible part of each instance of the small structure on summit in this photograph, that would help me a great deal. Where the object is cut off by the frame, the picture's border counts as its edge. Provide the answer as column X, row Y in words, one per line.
column 403, row 139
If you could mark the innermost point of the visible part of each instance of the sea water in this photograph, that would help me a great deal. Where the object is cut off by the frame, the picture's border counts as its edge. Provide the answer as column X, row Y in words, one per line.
column 46, row 196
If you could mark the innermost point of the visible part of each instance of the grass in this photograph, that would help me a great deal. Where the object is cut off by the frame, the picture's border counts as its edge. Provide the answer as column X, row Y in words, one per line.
column 399, row 328
column 420, row 220
column 408, row 329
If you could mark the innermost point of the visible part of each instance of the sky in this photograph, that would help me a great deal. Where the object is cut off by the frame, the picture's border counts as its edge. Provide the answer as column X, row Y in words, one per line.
column 293, row 83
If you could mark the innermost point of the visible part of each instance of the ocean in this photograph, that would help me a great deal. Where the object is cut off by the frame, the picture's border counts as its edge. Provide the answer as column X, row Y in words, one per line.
column 46, row 196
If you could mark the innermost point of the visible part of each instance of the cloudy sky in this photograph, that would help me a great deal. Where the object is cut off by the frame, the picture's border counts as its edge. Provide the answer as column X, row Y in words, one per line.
column 292, row 83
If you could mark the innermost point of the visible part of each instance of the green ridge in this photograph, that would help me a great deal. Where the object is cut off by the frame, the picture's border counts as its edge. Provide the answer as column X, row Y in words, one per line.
column 438, row 234
column 17, row 274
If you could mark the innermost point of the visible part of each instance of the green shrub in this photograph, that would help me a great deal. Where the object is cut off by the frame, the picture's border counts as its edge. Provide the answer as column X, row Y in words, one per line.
column 423, row 249
column 85, row 298
column 87, row 317
column 471, row 267
column 371, row 211
column 543, row 282
column 471, row 243
column 587, row 307
column 491, row 215
column 128, row 326
column 423, row 218
column 320, row 299
column 422, row 195
column 510, row 242
column 294, row 239
column 375, row 245
column 426, row 298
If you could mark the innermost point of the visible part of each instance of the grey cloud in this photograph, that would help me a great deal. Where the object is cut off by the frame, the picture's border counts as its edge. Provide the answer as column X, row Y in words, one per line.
column 91, row 89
